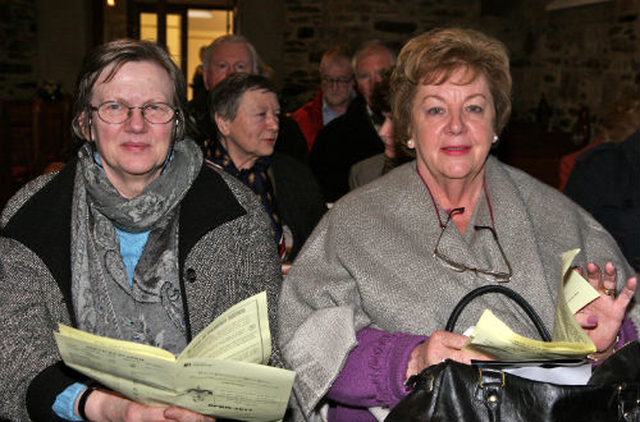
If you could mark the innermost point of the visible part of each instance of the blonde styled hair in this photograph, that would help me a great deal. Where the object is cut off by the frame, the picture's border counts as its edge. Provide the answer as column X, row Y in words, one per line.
column 432, row 57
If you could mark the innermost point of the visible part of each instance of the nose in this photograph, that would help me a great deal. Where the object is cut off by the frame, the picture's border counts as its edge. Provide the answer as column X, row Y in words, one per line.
column 386, row 130
column 455, row 125
column 272, row 122
column 136, row 121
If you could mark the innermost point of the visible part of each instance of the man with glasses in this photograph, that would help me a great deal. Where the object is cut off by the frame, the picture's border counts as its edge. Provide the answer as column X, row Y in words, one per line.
column 353, row 136
column 230, row 54
column 332, row 99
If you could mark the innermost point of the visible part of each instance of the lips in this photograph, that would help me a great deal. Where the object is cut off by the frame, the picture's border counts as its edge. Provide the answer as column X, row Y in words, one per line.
column 135, row 146
column 459, row 150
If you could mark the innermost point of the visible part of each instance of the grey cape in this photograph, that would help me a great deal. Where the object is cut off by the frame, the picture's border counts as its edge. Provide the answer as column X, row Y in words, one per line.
column 370, row 263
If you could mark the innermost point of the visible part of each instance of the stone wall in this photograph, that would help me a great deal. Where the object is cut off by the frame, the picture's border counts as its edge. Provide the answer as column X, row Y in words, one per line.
column 18, row 57
column 586, row 55
column 42, row 44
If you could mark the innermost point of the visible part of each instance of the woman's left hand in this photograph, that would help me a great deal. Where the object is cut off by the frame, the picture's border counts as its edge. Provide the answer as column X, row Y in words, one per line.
column 602, row 318
column 180, row 414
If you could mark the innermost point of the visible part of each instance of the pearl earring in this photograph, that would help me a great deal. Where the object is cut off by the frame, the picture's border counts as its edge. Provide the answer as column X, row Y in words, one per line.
column 410, row 143
column 494, row 139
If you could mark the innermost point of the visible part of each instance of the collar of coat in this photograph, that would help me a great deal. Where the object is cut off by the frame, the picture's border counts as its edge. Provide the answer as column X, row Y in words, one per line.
column 43, row 223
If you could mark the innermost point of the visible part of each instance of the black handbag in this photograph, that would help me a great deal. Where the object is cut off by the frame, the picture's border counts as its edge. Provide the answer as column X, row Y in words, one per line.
column 452, row 391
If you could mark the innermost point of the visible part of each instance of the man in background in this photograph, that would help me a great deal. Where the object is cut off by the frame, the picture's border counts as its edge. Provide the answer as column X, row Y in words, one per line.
column 226, row 55
column 332, row 99
column 354, row 135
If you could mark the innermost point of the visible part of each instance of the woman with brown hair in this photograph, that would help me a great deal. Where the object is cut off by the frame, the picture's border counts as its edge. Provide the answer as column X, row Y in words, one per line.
column 365, row 304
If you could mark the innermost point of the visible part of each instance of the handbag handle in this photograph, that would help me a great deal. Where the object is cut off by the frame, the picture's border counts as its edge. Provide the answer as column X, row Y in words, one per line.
column 494, row 288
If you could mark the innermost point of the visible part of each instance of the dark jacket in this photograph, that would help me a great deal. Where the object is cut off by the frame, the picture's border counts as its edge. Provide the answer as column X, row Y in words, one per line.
column 606, row 182
column 298, row 199
column 340, row 144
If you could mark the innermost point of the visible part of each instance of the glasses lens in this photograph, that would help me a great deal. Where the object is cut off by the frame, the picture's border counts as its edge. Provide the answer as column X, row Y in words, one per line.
column 113, row 112
column 158, row 112
column 340, row 81
column 489, row 275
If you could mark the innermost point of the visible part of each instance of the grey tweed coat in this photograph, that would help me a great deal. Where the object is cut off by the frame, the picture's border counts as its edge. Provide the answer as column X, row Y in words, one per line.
column 370, row 263
column 226, row 254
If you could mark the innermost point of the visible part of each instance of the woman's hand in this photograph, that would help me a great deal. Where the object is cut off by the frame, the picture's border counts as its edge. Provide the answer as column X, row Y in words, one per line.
column 602, row 318
column 440, row 346
column 104, row 405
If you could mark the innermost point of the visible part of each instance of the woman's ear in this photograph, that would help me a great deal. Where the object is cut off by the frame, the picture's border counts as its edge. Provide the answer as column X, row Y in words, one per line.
column 84, row 122
column 222, row 124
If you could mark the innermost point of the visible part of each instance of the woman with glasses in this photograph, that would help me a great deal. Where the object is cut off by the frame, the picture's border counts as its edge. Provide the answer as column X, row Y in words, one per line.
column 135, row 239
column 365, row 304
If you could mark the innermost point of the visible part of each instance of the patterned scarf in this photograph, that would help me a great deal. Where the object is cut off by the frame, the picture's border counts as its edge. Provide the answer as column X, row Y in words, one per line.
column 257, row 179
column 150, row 309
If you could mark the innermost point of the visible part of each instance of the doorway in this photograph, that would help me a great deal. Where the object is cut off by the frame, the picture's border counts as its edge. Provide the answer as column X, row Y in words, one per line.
column 185, row 30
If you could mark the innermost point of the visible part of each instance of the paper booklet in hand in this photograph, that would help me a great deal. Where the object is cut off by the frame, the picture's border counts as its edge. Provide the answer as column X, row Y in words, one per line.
column 222, row 372
column 494, row 337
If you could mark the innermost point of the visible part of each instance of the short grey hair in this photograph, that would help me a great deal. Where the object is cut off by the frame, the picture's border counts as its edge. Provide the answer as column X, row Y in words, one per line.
column 333, row 55
column 368, row 48
column 234, row 39
column 224, row 98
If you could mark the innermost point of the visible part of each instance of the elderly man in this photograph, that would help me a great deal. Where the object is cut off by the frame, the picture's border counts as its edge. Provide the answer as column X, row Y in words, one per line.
column 353, row 136
column 332, row 99
column 235, row 54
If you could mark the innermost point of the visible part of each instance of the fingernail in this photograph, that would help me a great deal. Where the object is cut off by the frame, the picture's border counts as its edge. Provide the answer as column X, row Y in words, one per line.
column 592, row 320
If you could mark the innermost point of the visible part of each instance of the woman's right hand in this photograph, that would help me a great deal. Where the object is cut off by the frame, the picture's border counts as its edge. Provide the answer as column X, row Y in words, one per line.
column 105, row 405
column 440, row 346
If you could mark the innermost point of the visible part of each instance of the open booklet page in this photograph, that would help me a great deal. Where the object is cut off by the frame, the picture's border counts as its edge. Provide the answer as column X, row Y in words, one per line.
column 222, row 372
column 493, row 336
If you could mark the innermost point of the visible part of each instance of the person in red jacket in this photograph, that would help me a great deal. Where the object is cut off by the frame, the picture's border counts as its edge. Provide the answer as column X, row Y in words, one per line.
column 332, row 99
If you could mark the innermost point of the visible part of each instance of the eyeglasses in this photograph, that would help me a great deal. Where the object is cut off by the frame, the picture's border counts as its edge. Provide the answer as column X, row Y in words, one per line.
column 114, row 112
column 497, row 276
column 340, row 81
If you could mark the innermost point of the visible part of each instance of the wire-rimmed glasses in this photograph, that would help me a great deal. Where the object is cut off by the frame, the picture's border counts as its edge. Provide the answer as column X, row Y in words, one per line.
column 497, row 276
column 329, row 81
column 114, row 112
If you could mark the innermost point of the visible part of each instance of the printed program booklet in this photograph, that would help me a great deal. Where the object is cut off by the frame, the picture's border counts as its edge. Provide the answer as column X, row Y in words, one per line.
column 223, row 372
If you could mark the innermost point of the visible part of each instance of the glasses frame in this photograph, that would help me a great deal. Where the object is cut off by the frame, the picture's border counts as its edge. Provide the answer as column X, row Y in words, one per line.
column 337, row 81
column 497, row 276
column 130, row 112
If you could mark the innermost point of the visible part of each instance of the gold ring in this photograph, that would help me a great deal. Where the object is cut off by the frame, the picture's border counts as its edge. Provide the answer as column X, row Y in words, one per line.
column 608, row 292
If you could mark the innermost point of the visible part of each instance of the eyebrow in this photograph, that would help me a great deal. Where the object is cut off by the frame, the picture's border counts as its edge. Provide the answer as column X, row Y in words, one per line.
column 438, row 97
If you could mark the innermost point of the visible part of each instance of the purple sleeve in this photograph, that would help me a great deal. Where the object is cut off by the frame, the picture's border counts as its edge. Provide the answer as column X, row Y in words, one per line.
column 375, row 370
column 628, row 332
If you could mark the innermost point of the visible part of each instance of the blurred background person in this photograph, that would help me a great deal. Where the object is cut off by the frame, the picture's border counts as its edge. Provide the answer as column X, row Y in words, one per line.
column 394, row 153
column 197, row 82
column 227, row 55
column 333, row 97
column 365, row 303
column 606, row 182
column 618, row 123
column 353, row 136
column 135, row 239
column 247, row 113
